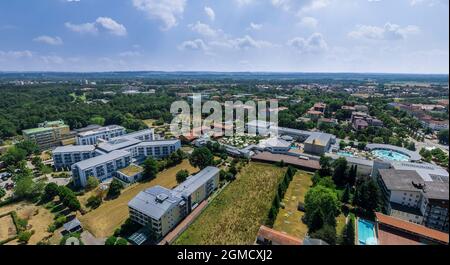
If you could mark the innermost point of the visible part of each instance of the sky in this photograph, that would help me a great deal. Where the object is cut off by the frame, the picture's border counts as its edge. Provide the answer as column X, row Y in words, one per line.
column 382, row 36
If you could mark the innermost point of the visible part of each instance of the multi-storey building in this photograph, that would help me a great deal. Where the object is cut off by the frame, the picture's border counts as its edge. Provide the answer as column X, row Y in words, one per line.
column 92, row 137
column 66, row 156
column 162, row 209
column 48, row 134
column 102, row 167
column 411, row 197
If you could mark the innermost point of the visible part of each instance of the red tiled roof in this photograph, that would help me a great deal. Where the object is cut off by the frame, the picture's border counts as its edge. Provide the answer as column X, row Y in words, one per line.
column 278, row 237
column 412, row 228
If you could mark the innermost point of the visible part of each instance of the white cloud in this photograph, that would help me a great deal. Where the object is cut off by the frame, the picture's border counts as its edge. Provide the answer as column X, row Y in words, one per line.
column 16, row 54
column 49, row 40
column 210, row 13
column 284, row 4
column 197, row 44
column 105, row 23
column 52, row 59
column 424, row 2
column 387, row 32
column 313, row 44
column 255, row 26
column 82, row 28
column 203, row 29
column 314, row 5
column 243, row 43
column 129, row 54
column 308, row 22
column 112, row 26
column 243, row 2
column 168, row 11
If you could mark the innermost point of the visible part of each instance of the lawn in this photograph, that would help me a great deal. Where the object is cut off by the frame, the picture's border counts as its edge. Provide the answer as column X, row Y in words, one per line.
column 149, row 122
column 289, row 219
column 236, row 214
column 102, row 221
column 7, row 227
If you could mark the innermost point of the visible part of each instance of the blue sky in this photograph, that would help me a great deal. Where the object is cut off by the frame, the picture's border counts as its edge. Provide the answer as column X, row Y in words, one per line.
column 401, row 36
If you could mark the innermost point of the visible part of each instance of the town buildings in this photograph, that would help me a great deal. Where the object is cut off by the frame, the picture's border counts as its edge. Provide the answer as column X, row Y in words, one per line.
column 162, row 209
column 362, row 120
column 106, row 133
column 66, row 156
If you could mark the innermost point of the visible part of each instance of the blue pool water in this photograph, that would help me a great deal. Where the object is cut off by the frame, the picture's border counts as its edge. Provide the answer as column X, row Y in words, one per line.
column 390, row 155
column 345, row 153
column 366, row 233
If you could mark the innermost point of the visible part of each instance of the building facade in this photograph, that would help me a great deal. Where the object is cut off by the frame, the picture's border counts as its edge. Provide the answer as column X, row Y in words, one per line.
column 162, row 209
column 48, row 134
column 66, row 156
column 91, row 137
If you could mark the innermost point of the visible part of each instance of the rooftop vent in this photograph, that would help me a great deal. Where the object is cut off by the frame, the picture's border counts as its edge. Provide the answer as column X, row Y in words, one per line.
column 161, row 197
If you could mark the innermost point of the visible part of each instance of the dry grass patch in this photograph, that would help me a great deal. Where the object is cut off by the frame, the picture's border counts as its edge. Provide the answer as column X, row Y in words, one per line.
column 102, row 221
column 289, row 219
column 236, row 214
column 7, row 227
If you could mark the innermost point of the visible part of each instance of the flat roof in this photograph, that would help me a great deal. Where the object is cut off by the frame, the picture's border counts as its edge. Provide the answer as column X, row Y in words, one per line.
column 400, row 179
column 117, row 143
column 427, row 171
column 288, row 159
column 319, row 138
column 274, row 142
column 192, row 183
column 412, row 228
column 146, row 201
column 37, row 130
column 131, row 170
column 88, row 163
column 100, row 130
column 74, row 148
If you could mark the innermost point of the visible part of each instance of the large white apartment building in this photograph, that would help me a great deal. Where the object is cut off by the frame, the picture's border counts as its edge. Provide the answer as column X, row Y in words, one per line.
column 412, row 196
column 162, row 209
column 102, row 167
column 66, row 156
column 92, row 137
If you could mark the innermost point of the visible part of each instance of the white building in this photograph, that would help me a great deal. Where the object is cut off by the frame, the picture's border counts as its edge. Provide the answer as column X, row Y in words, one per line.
column 162, row 209
column 102, row 167
column 66, row 156
column 92, row 137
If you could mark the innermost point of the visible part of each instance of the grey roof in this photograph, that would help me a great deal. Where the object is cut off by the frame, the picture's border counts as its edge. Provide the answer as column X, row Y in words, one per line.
column 134, row 134
column 147, row 201
column 118, row 143
column 275, row 142
column 192, row 183
column 74, row 148
column 88, row 163
column 88, row 128
column 413, row 156
column 318, row 138
column 426, row 171
column 101, row 129
column 158, row 142
column 400, row 179
column 436, row 190
column 72, row 224
column 313, row 241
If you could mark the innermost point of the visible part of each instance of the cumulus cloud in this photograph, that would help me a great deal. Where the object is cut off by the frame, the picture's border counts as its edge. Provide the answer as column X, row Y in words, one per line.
column 168, row 11
column 313, row 44
column 387, row 32
column 112, row 26
column 203, row 29
column 49, row 40
column 129, row 54
column 197, row 44
column 105, row 23
column 210, row 13
column 243, row 43
column 308, row 22
column 255, row 26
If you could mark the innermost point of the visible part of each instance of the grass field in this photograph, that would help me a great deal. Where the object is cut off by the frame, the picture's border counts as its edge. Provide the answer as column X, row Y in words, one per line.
column 102, row 221
column 236, row 214
column 289, row 219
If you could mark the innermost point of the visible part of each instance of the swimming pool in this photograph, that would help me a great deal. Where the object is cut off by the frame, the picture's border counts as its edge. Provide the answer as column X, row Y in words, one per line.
column 390, row 155
column 366, row 233
column 345, row 153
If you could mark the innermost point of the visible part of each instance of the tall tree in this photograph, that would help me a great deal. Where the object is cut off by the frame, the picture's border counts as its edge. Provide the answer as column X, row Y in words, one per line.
column 340, row 171
column 150, row 168
column 348, row 233
column 201, row 158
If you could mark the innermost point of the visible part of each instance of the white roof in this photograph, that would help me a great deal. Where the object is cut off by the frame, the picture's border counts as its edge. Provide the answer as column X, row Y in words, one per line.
column 92, row 162
column 74, row 148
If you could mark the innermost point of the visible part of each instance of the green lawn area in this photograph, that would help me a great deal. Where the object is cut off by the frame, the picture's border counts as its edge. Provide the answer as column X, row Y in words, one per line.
column 236, row 214
column 289, row 219
column 75, row 97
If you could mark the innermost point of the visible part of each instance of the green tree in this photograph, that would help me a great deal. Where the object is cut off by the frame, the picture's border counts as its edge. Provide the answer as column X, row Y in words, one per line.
column 13, row 155
column 339, row 171
column 316, row 222
column 323, row 199
column 182, row 175
column 114, row 188
column 378, row 140
column 97, row 120
column 30, row 147
column 201, row 157
column 121, row 242
column 346, row 194
column 92, row 183
column 327, row 233
column 150, row 168
column 24, row 236
column 50, row 191
column 325, row 166
column 367, row 195
column 348, row 233
column 2, row 192
column 94, row 201
column 443, row 136
column 111, row 241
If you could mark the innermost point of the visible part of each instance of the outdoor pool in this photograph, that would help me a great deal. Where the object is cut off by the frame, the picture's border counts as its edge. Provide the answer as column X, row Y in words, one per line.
column 390, row 155
column 345, row 153
column 366, row 233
